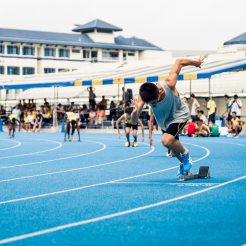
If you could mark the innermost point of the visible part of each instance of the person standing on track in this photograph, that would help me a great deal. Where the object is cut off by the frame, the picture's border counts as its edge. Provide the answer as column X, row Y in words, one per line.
column 170, row 112
column 12, row 122
column 72, row 122
column 128, row 125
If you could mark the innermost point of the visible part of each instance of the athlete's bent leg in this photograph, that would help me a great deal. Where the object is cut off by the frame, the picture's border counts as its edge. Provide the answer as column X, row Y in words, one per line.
column 127, row 131
column 178, row 149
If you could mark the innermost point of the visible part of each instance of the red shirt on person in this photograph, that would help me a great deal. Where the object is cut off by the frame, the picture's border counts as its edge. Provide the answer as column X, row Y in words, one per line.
column 191, row 129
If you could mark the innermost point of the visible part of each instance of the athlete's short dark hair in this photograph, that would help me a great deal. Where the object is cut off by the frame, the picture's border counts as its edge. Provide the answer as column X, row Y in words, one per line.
column 148, row 92
column 129, row 110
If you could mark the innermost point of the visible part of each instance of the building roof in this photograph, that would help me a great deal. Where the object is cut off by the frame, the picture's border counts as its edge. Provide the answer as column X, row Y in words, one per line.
column 241, row 39
column 96, row 24
column 125, row 76
column 66, row 39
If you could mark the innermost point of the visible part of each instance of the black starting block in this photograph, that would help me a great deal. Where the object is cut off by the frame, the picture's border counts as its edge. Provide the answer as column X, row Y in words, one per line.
column 203, row 173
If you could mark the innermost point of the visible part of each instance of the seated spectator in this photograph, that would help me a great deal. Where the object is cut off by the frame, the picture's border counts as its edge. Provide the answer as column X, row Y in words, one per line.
column 47, row 115
column 200, row 115
column 203, row 129
column 191, row 128
column 28, row 121
column 214, row 129
column 92, row 115
column 84, row 114
column 235, row 126
column 100, row 114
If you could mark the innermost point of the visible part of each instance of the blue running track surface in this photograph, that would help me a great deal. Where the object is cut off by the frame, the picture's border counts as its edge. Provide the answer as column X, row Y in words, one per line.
column 98, row 192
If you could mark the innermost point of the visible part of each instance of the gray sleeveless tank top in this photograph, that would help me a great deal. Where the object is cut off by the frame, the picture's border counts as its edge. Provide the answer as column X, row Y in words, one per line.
column 170, row 110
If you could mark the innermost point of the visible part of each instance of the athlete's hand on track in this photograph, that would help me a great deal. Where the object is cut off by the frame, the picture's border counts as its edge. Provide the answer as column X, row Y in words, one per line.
column 150, row 142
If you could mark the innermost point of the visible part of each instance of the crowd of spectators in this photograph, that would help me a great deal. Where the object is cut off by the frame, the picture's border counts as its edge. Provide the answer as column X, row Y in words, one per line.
column 32, row 117
column 200, row 125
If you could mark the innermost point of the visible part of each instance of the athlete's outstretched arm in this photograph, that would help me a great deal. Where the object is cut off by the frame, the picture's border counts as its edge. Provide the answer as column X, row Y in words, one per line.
column 142, row 128
column 117, row 124
column 151, row 124
column 178, row 65
column 138, row 104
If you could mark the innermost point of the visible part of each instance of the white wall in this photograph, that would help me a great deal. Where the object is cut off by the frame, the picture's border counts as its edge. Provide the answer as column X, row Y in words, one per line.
column 102, row 37
column 156, row 56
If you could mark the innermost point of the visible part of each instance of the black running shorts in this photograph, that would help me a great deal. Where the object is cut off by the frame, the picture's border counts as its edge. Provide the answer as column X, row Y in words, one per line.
column 134, row 127
column 175, row 129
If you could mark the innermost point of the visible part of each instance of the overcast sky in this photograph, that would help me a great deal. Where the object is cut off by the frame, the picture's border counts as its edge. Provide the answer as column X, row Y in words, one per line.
column 170, row 24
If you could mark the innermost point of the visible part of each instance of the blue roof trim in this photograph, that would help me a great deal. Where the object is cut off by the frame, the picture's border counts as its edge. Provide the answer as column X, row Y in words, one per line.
column 202, row 75
column 107, row 82
column 38, row 85
column 181, row 77
column 224, row 70
column 129, row 80
column 152, row 79
column 87, row 82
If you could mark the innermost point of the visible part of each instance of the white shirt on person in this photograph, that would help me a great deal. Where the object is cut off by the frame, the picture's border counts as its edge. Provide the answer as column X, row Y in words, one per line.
column 204, row 119
column 236, row 106
column 30, row 119
column 17, row 113
column 195, row 105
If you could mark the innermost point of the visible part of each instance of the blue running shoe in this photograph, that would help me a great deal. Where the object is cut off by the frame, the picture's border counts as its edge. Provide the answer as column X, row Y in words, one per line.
column 181, row 170
column 187, row 161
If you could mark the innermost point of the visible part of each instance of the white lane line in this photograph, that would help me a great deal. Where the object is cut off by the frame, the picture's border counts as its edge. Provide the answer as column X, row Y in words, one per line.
column 58, row 159
column 78, row 169
column 12, row 147
column 75, row 169
column 186, row 184
column 34, row 153
column 100, row 184
column 225, row 143
column 110, row 216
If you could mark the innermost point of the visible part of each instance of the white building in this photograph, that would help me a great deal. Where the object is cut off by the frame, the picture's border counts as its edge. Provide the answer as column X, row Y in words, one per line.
column 25, row 52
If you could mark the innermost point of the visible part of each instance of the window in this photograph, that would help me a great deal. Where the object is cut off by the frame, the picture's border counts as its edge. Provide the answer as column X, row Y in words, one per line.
column 49, row 52
column 131, row 54
column 124, row 56
column 49, row 70
column 94, row 54
column 13, row 70
column 28, row 51
column 64, row 53
column 63, row 70
column 86, row 54
column 113, row 55
column 28, row 70
column 1, row 49
column 13, row 50
column 76, row 51
column 1, row 69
